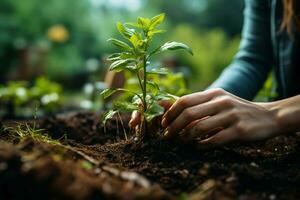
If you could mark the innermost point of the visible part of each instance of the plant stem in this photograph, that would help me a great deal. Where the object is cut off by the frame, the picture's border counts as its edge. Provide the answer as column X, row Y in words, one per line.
column 145, row 82
column 140, row 82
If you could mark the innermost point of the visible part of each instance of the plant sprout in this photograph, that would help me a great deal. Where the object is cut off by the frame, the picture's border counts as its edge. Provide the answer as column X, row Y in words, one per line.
column 135, row 56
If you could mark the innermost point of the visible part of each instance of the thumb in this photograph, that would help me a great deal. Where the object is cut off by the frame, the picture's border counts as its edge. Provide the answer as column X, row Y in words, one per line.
column 135, row 119
column 165, row 104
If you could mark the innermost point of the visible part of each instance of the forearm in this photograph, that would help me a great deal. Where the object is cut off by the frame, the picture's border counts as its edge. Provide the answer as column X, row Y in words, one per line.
column 254, row 60
column 287, row 113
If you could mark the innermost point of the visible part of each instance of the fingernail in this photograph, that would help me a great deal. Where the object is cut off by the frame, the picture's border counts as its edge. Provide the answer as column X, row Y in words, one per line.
column 130, row 123
column 164, row 122
column 166, row 133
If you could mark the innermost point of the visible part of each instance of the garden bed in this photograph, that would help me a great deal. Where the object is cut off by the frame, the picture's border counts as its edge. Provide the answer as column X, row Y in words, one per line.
column 87, row 160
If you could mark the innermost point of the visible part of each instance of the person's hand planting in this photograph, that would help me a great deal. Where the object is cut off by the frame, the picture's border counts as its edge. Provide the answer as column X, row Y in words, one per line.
column 215, row 117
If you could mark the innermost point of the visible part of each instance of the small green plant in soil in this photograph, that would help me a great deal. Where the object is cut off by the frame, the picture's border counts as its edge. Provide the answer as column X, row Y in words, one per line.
column 135, row 56
column 23, row 131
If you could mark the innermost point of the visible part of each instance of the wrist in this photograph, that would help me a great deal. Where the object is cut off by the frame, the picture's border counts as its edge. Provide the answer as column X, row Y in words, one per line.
column 276, row 111
column 286, row 114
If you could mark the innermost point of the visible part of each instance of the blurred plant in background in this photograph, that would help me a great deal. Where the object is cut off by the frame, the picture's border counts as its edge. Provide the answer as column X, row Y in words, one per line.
column 53, row 38
column 65, row 41
column 213, row 50
column 19, row 99
column 58, row 38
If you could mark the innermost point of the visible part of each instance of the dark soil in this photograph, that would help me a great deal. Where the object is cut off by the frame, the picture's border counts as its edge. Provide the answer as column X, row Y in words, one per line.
column 97, row 162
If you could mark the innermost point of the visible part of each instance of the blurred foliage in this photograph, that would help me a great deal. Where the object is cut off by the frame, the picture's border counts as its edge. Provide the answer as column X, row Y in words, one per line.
column 206, row 14
column 91, row 98
column 67, row 38
column 61, row 38
column 17, row 98
column 213, row 51
column 172, row 83
column 268, row 91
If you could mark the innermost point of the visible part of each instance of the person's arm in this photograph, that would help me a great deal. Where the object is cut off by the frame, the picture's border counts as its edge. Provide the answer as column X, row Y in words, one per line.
column 287, row 113
column 250, row 68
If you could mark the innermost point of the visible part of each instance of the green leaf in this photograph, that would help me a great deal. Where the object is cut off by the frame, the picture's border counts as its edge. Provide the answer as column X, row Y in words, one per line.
column 121, row 56
column 153, row 111
column 120, row 44
column 108, row 115
column 131, row 68
column 161, row 71
column 114, row 57
column 156, row 20
column 120, row 65
column 153, row 86
column 134, row 39
column 125, row 106
column 125, row 32
column 126, row 55
column 136, row 99
column 176, row 46
column 158, row 31
column 108, row 92
column 144, row 23
column 133, row 25
column 172, row 46
column 153, row 32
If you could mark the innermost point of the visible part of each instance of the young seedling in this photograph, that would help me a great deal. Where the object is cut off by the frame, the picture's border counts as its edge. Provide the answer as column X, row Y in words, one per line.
column 135, row 56
column 23, row 131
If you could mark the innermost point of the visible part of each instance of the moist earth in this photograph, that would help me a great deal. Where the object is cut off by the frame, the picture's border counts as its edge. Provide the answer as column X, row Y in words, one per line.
column 89, row 160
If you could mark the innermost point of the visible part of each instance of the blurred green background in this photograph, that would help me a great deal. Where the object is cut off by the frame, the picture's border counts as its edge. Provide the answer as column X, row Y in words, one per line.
column 65, row 40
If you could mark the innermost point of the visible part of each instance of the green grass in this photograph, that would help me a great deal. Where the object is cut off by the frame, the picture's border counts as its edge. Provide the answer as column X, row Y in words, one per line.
column 23, row 131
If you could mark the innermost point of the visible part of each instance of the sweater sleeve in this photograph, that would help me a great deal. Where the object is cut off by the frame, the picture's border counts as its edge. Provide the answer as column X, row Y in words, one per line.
column 251, row 65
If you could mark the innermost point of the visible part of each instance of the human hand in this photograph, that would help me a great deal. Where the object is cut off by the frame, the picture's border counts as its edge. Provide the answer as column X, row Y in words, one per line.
column 220, row 117
column 136, row 116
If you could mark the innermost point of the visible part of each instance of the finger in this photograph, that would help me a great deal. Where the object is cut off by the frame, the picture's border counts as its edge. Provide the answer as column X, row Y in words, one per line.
column 189, row 101
column 204, row 135
column 165, row 104
column 181, row 104
column 136, row 116
column 191, row 114
column 135, row 119
column 183, row 136
column 221, row 138
column 210, row 125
